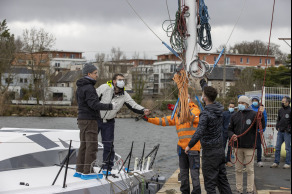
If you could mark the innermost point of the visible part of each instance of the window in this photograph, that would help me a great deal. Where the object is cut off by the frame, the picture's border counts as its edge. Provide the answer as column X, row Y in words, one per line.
column 228, row 60
column 204, row 58
column 9, row 80
column 268, row 61
column 25, row 80
column 64, row 55
column 124, row 69
column 172, row 68
column 21, row 80
column 215, row 58
column 247, row 61
column 57, row 64
column 241, row 60
column 261, row 61
column 72, row 56
column 43, row 61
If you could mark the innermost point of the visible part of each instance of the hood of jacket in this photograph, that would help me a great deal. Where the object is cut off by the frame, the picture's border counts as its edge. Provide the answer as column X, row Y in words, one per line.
column 215, row 108
column 85, row 81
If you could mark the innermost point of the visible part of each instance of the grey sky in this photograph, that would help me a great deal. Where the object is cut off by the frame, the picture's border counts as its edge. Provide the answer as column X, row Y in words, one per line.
column 98, row 25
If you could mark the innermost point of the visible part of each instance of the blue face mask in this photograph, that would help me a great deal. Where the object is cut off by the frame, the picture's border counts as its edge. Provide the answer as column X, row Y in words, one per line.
column 241, row 107
column 231, row 110
column 256, row 104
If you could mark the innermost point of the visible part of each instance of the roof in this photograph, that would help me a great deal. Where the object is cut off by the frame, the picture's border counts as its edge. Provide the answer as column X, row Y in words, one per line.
column 217, row 74
column 21, row 70
column 66, row 77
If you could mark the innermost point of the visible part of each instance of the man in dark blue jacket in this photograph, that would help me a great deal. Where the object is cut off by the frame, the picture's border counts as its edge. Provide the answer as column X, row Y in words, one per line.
column 255, row 107
column 88, row 112
column 226, row 120
column 209, row 132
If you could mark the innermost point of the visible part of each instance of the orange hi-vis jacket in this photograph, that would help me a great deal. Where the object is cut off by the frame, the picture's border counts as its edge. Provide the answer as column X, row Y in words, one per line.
column 184, row 131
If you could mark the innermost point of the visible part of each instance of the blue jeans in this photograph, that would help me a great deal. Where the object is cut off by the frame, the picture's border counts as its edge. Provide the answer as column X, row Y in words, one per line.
column 259, row 147
column 283, row 137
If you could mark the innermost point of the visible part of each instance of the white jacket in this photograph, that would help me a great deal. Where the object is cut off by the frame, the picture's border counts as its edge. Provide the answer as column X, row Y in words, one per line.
column 107, row 96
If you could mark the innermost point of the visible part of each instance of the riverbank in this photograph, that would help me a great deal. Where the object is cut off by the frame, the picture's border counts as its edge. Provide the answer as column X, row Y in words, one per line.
column 64, row 111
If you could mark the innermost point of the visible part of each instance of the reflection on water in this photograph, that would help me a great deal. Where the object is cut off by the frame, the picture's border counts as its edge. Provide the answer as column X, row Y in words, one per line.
column 126, row 131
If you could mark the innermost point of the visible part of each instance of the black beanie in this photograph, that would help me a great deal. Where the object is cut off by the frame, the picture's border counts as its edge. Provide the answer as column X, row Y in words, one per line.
column 88, row 68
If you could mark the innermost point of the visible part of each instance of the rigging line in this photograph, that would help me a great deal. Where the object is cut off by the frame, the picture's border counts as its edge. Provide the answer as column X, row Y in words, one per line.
column 243, row 8
column 169, row 14
column 143, row 20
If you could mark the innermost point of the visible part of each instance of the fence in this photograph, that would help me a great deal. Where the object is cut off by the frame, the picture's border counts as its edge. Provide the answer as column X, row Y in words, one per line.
column 273, row 102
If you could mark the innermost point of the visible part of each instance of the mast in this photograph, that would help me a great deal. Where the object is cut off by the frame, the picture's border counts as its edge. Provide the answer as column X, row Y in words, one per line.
column 191, row 42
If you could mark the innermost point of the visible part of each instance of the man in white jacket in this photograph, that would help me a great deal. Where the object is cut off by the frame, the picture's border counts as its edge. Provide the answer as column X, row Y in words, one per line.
column 111, row 92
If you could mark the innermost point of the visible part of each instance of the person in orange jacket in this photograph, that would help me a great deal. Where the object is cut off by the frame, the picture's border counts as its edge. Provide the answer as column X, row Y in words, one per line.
column 187, row 162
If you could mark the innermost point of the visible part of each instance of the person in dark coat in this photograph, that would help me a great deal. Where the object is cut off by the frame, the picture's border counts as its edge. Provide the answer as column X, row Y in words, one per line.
column 283, row 127
column 226, row 120
column 239, row 124
column 88, row 113
column 209, row 132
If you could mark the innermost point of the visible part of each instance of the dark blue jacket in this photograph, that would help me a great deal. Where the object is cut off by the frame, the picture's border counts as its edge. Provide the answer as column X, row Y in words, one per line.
column 89, row 105
column 209, row 130
column 256, row 109
column 226, row 120
column 284, row 120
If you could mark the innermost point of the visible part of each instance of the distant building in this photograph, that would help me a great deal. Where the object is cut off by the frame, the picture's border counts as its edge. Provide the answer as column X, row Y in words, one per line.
column 143, row 74
column 21, row 77
column 215, row 79
column 66, row 60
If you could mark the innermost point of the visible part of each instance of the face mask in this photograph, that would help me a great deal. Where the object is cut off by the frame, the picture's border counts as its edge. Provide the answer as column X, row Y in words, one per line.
column 241, row 107
column 120, row 84
column 202, row 99
column 283, row 105
column 256, row 104
column 189, row 101
column 231, row 110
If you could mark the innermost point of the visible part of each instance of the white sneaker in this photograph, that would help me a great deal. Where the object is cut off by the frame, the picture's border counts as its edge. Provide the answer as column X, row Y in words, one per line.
column 286, row 166
column 260, row 164
column 275, row 165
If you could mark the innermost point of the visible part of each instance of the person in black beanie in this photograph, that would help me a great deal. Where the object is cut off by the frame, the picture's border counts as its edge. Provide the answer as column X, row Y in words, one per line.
column 89, row 108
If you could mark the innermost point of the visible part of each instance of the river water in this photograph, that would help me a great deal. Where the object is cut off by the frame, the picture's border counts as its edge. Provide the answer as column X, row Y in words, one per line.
column 126, row 131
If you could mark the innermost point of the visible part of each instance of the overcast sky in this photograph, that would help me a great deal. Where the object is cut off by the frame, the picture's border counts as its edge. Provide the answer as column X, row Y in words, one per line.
column 93, row 26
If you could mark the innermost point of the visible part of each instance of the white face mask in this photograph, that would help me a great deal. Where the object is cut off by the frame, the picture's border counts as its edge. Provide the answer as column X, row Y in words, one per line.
column 189, row 100
column 120, row 84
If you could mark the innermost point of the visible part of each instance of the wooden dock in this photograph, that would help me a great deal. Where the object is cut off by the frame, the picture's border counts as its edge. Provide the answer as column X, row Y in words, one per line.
column 172, row 186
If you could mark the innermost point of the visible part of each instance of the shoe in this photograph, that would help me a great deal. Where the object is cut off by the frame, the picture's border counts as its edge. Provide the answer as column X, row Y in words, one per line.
column 77, row 175
column 286, row 166
column 229, row 164
column 238, row 192
column 89, row 176
column 178, row 178
column 275, row 165
column 260, row 164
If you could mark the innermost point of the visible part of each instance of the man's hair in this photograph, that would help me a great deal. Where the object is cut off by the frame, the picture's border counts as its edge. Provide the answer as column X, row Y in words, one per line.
column 116, row 76
column 231, row 102
column 211, row 93
column 288, row 99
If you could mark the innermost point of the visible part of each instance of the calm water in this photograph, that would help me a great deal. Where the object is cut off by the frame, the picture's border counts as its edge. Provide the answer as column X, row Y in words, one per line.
column 126, row 131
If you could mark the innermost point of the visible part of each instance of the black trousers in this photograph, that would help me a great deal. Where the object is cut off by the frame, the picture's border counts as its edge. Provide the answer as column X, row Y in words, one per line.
column 189, row 163
column 214, row 171
column 107, row 131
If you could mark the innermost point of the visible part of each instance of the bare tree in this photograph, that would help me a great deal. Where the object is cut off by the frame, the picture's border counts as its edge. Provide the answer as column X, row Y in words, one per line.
column 37, row 43
column 116, row 54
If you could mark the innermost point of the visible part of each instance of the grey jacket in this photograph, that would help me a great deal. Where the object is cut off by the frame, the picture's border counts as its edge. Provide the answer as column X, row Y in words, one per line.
column 106, row 94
